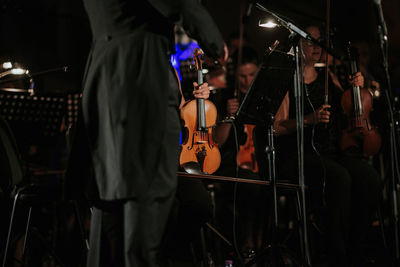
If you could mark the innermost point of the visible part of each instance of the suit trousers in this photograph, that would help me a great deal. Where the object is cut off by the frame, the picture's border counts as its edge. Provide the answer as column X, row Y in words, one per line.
column 128, row 232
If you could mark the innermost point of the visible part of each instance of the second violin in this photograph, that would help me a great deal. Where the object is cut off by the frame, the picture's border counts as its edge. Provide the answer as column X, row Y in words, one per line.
column 246, row 157
column 357, row 104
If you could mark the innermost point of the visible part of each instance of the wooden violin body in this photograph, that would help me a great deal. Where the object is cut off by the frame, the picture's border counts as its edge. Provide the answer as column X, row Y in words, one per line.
column 199, row 117
column 198, row 145
column 246, row 158
column 359, row 132
column 357, row 104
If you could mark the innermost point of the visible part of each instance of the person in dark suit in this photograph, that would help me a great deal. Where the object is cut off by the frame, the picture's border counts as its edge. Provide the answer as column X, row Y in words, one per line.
column 130, row 120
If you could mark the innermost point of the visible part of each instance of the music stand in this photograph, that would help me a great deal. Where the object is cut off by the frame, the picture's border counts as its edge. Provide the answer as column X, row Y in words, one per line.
column 39, row 119
column 36, row 119
column 259, row 106
column 73, row 101
column 267, row 89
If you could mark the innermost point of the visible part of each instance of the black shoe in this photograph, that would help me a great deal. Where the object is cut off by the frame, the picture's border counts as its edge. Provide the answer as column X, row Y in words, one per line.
column 248, row 253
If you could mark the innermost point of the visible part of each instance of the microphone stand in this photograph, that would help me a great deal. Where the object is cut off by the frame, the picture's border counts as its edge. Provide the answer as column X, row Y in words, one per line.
column 298, row 92
column 293, row 29
column 393, row 141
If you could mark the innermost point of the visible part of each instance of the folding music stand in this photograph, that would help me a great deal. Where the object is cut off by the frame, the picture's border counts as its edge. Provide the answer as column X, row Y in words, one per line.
column 73, row 101
column 267, row 89
column 259, row 106
column 35, row 119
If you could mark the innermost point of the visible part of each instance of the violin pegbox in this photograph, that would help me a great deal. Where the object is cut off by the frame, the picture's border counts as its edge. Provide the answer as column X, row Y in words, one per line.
column 197, row 58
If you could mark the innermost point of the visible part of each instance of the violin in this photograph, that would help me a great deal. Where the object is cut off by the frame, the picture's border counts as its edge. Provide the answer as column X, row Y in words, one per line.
column 246, row 157
column 199, row 117
column 357, row 103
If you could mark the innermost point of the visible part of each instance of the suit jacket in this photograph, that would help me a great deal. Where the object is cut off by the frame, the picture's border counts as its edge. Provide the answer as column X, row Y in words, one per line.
column 128, row 83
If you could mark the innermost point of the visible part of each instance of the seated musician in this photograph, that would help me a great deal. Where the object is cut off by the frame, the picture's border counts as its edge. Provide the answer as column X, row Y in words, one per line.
column 229, row 136
column 341, row 181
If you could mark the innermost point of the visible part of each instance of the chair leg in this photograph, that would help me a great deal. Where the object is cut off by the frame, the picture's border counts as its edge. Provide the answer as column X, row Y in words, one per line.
column 28, row 222
column 81, row 226
column 298, row 217
column 218, row 234
column 382, row 226
column 203, row 247
column 10, row 228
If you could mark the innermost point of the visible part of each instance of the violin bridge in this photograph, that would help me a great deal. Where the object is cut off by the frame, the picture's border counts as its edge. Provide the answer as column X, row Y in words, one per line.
column 201, row 154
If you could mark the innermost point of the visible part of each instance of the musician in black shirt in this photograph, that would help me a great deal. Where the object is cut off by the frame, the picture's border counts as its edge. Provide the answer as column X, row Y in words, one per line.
column 342, row 181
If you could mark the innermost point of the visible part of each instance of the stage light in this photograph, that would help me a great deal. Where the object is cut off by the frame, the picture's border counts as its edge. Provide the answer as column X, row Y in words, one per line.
column 18, row 71
column 267, row 23
column 7, row 65
column 319, row 65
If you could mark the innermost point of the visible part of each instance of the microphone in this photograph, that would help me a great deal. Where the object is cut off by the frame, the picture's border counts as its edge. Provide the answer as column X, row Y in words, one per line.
column 379, row 14
column 249, row 8
column 246, row 15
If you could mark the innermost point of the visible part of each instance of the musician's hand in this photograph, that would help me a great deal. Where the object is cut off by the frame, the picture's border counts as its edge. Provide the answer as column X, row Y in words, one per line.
column 321, row 115
column 226, row 53
column 357, row 79
column 232, row 106
column 202, row 91
column 375, row 89
column 375, row 85
column 223, row 58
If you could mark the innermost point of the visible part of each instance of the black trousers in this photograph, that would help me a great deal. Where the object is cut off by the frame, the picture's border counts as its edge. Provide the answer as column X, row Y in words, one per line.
column 128, row 232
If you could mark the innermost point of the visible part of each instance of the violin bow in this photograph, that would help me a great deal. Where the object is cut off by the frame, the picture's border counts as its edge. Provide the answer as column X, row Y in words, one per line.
column 240, row 48
column 327, row 28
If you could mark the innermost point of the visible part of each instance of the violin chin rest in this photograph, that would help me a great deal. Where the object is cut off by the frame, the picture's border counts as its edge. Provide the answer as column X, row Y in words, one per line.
column 192, row 167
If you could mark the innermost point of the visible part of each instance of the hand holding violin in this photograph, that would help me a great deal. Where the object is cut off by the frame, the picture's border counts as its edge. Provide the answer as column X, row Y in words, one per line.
column 357, row 79
column 357, row 103
column 199, row 117
column 232, row 106
column 322, row 114
column 202, row 91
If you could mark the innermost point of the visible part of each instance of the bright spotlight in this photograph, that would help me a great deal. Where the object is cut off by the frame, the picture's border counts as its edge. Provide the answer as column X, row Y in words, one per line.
column 18, row 71
column 7, row 65
column 267, row 23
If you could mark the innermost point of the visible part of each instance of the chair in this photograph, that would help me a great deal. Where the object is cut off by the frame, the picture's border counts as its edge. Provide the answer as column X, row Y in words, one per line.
column 23, row 191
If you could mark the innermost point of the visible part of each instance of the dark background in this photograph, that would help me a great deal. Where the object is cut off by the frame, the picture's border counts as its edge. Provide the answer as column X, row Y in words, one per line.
column 46, row 34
